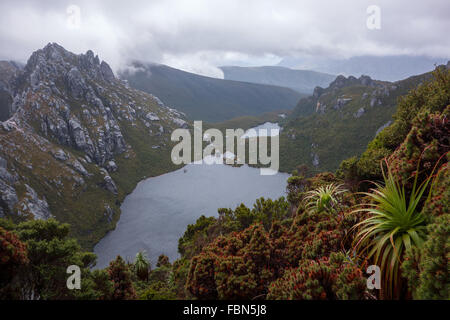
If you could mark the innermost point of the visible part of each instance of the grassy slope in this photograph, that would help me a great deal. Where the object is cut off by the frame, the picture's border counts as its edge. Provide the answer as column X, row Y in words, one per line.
column 210, row 99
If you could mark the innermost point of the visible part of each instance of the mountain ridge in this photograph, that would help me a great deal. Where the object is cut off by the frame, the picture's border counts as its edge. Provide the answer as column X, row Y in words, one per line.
column 205, row 98
column 78, row 141
column 337, row 122
column 388, row 68
column 302, row 81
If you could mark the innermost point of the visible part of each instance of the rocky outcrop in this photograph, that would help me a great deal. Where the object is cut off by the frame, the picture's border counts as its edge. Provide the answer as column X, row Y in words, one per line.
column 9, row 71
column 39, row 208
column 8, row 195
column 320, row 108
column 359, row 113
column 72, row 122
column 387, row 124
column 110, row 185
column 340, row 102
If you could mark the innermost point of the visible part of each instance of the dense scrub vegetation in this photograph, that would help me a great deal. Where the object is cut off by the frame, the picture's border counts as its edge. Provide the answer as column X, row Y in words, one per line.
column 315, row 244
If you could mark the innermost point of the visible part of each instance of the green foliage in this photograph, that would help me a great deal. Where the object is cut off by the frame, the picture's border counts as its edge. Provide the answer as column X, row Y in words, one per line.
column 13, row 257
column 194, row 236
column 205, row 230
column 426, row 268
column 163, row 261
column 295, row 187
column 430, row 97
column 158, row 291
column 394, row 224
column 324, row 198
column 348, row 171
column 50, row 252
column 241, row 265
column 180, row 270
column 95, row 285
column 324, row 279
column 141, row 265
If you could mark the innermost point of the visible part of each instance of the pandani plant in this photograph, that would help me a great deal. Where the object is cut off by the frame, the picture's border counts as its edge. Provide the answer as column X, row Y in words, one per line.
column 141, row 266
column 323, row 198
column 394, row 224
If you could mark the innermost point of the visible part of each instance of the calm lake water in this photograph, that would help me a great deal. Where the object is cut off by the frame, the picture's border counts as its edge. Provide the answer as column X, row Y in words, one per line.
column 156, row 214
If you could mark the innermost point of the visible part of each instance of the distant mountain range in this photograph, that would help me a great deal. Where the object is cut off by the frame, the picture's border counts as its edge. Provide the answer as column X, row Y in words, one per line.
column 390, row 68
column 208, row 99
column 303, row 81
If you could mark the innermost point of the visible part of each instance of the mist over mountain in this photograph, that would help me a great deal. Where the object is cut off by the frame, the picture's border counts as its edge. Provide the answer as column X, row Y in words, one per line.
column 209, row 99
column 390, row 68
column 303, row 81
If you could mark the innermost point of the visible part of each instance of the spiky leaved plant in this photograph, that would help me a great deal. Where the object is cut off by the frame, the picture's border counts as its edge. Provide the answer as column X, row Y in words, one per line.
column 394, row 223
column 141, row 265
column 323, row 198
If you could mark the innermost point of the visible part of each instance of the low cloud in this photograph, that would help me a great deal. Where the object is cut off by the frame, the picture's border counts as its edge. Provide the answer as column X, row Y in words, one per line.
column 199, row 35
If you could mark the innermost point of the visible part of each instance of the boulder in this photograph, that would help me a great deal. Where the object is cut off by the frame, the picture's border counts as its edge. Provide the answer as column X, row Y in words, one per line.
column 110, row 185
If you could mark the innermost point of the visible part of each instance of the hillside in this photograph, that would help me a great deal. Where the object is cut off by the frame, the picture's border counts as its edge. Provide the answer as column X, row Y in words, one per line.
column 209, row 99
column 302, row 81
column 337, row 122
column 78, row 142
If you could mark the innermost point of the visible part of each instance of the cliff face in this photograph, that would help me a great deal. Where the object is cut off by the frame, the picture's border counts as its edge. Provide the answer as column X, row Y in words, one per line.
column 9, row 72
column 76, row 140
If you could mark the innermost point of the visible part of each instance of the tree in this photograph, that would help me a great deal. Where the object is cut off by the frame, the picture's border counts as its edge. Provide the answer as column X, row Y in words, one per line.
column 141, row 266
column 120, row 275
column 13, row 257
column 50, row 252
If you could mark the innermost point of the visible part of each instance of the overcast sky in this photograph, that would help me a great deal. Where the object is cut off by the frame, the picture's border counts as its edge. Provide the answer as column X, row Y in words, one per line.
column 197, row 35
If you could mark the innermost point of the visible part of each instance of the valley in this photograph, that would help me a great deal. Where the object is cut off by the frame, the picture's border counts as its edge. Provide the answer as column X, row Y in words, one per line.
column 209, row 99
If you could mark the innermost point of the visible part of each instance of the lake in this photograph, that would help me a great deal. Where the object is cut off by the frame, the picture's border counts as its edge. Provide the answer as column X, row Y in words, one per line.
column 156, row 214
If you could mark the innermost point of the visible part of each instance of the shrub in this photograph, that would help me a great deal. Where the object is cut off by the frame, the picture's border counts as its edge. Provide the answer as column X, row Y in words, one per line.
column 324, row 279
column 120, row 275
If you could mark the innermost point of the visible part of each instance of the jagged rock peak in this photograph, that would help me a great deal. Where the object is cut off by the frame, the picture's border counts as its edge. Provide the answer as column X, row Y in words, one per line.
column 53, row 58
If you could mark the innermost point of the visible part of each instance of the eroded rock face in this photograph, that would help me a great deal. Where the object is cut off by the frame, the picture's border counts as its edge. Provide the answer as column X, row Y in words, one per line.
column 8, row 196
column 359, row 113
column 106, row 71
column 8, row 73
column 67, row 128
column 75, row 83
column 340, row 102
column 39, row 208
column 110, row 185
